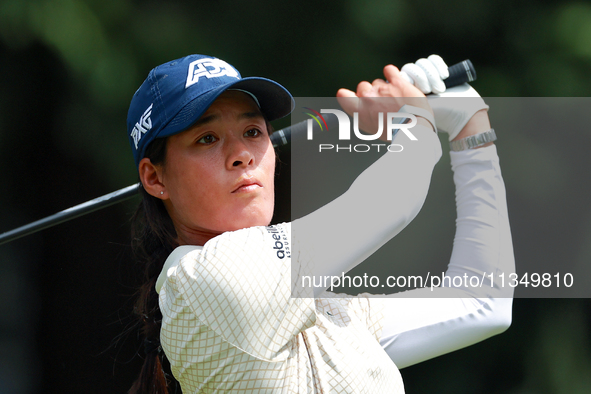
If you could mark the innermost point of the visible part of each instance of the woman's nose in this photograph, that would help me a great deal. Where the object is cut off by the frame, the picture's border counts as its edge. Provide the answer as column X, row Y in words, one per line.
column 239, row 154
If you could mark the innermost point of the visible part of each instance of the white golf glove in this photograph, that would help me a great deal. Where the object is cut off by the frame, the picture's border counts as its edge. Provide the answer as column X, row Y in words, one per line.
column 452, row 107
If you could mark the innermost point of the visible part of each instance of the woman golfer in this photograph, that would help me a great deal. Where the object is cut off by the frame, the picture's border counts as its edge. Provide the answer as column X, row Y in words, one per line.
column 218, row 301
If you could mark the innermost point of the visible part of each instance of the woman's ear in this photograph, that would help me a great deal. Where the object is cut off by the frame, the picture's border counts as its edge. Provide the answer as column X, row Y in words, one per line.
column 151, row 178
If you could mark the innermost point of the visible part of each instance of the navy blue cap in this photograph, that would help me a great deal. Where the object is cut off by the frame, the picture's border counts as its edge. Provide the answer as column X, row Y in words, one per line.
column 177, row 93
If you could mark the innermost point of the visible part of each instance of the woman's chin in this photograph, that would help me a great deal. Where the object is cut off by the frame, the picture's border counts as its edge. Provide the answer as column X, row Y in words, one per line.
column 250, row 220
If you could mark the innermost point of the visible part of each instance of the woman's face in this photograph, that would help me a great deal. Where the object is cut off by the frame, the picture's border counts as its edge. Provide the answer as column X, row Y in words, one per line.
column 219, row 174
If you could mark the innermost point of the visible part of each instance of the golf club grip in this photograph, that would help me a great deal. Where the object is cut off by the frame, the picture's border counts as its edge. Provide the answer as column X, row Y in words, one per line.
column 459, row 73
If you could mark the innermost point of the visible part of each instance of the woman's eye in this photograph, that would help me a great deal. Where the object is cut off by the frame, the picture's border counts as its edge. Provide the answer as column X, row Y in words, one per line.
column 207, row 139
column 253, row 133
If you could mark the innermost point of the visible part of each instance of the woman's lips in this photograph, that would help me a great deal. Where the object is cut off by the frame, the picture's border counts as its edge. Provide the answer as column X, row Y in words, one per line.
column 247, row 186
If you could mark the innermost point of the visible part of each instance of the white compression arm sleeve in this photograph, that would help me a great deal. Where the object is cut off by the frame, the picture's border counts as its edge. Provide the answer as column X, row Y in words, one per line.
column 422, row 324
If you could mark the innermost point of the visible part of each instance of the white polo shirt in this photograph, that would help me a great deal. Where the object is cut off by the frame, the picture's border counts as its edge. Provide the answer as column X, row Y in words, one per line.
column 230, row 324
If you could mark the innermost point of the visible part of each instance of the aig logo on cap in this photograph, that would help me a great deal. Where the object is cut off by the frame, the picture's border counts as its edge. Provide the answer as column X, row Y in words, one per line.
column 210, row 68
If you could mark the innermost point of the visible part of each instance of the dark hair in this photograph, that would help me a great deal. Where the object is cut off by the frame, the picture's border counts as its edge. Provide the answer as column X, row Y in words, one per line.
column 153, row 239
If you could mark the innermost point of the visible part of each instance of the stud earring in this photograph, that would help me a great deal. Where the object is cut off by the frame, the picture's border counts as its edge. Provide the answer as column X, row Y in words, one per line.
column 161, row 192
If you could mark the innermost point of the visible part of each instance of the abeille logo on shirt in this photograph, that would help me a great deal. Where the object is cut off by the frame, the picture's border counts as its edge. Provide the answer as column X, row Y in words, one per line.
column 281, row 243
column 209, row 68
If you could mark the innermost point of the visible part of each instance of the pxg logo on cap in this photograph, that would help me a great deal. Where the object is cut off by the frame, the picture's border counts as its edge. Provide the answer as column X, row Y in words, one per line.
column 142, row 126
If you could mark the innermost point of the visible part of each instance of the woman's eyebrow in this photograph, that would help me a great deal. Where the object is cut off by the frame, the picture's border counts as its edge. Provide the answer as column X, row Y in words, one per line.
column 251, row 115
column 213, row 117
column 206, row 119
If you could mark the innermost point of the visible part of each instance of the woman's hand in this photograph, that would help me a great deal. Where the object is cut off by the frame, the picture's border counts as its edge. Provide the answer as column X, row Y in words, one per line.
column 459, row 111
column 382, row 96
column 455, row 108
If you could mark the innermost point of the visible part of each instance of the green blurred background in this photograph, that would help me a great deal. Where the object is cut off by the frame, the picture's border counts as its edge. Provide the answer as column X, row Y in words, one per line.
column 68, row 69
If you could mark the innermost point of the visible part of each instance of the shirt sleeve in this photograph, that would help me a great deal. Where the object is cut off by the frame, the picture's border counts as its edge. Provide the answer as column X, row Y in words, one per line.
column 425, row 323
column 239, row 286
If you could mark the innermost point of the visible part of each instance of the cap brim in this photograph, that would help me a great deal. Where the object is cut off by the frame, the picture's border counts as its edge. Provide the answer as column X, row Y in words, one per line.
column 275, row 102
